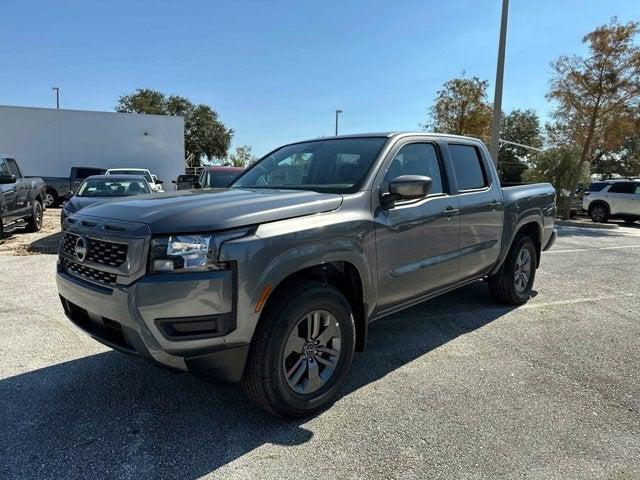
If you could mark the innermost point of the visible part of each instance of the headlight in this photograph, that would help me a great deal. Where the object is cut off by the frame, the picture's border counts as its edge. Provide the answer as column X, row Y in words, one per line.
column 182, row 252
column 189, row 253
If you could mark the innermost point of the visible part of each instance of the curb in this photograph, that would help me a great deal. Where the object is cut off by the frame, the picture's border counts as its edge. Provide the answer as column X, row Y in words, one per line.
column 574, row 223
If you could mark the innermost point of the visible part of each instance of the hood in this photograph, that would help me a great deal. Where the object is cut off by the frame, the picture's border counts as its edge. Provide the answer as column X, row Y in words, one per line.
column 218, row 209
column 81, row 202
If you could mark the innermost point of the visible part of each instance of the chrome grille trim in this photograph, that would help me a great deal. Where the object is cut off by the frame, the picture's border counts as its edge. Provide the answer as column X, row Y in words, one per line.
column 90, row 274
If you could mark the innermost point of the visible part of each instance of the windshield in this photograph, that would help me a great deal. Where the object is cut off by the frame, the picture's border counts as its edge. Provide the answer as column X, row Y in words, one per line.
column 118, row 187
column 333, row 166
column 142, row 173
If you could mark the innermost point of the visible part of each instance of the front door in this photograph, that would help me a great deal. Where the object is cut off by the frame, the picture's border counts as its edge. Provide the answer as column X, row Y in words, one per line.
column 8, row 192
column 416, row 240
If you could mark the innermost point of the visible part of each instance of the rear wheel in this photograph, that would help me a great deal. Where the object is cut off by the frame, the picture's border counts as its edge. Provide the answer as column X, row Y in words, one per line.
column 599, row 213
column 301, row 352
column 51, row 199
column 512, row 285
column 35, row 220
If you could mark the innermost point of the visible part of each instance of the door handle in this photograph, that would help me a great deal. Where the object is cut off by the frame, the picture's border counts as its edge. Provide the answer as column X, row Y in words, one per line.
column 495, row 204
column 450, row 211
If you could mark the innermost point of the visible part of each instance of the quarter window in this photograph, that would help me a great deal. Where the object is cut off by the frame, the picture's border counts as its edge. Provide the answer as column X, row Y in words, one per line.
column 417, row 159
column 468, row 167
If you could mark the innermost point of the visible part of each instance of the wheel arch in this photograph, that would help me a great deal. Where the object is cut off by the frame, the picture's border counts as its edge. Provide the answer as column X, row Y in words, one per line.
column 341, row 274
column 531, row 226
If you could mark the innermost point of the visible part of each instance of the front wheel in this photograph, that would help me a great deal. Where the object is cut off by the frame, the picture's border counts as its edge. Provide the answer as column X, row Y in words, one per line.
column 301, row 352
column 512, row 285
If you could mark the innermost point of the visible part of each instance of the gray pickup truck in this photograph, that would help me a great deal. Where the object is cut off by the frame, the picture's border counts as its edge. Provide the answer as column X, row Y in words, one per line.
column 21, row 199
column 273, row 281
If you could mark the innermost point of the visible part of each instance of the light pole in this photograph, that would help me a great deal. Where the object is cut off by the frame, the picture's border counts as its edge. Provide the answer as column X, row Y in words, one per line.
column 497, row 97
column 57, row 90
column 338, row 112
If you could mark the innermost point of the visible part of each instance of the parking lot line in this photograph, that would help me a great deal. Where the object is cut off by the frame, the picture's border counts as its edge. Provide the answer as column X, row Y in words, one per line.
column 591, row 249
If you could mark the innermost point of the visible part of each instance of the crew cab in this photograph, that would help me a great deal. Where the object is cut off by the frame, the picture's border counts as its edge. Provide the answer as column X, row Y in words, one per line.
column 273, row 281
column 21, row 199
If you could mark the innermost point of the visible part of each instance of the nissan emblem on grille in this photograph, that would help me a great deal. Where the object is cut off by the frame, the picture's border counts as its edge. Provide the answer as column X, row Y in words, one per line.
column 80, row 249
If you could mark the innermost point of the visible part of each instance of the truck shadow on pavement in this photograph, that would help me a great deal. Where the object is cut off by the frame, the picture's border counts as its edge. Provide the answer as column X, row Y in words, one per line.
column 111, row 415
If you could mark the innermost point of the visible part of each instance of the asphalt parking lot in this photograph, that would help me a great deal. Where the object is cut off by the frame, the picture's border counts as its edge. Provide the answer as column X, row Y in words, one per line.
column 457, row 387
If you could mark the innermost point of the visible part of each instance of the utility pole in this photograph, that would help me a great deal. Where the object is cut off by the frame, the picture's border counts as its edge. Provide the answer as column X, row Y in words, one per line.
column 497, row 97
column 338, row 112
column 57, row 90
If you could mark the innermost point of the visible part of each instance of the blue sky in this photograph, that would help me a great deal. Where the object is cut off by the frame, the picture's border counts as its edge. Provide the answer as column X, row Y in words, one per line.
column 276, row 71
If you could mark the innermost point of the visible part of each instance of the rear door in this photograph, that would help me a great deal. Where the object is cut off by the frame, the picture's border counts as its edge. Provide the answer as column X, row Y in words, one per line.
column 620, row 197
column 416, row 240
column 481, row 213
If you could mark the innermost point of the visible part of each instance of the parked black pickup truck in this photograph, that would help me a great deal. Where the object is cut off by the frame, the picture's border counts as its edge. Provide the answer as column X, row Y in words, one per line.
column 21, row 199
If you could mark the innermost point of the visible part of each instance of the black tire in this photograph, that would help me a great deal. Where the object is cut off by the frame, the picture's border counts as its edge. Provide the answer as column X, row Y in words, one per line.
column 35, row 220
column 599, row 213
column 503, row 285
column 51, row 198
column 264, row 379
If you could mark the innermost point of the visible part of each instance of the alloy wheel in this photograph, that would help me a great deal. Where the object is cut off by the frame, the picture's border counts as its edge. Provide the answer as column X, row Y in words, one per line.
column 523, row 270
column 312, row 352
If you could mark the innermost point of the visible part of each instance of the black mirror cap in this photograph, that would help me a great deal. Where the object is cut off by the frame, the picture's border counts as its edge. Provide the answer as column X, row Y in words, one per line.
column 159, row 182
column 409, row 187
column 196, row 185
column 7, row 179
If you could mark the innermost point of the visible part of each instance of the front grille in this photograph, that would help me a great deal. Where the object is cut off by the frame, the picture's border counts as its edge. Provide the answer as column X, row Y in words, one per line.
column 112, row 254
column 88, row 273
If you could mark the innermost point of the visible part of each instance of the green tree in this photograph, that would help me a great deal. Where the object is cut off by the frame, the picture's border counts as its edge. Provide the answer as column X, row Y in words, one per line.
column 558, row 166
column 461, row 108
column 242, row 157
column 205, row 136
column 595, row 94
column 519, row 126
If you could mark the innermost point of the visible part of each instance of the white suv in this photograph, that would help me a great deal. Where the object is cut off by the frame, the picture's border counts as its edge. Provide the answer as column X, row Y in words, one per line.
column 613, row 199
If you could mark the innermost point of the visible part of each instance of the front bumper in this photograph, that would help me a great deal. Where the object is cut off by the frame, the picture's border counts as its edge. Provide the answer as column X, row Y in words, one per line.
column 177, row 320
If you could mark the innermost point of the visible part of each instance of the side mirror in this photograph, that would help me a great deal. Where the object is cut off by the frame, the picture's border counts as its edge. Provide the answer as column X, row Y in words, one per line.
column 407, row 187
column 174, row 182
column 7, row 179
column 197, row 185
column 159, row 182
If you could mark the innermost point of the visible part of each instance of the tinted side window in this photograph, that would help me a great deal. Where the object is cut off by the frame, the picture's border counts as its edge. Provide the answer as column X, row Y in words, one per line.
column 82, row 173
column 417, row 159
column 468, row 167
column 596, row 186
column 622, row 187
column 3, row 168
column 13, row 167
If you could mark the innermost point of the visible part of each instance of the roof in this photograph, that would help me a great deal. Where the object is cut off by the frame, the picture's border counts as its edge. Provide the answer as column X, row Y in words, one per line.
column 390, row 135
column 217, row 168
column 117, row 175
